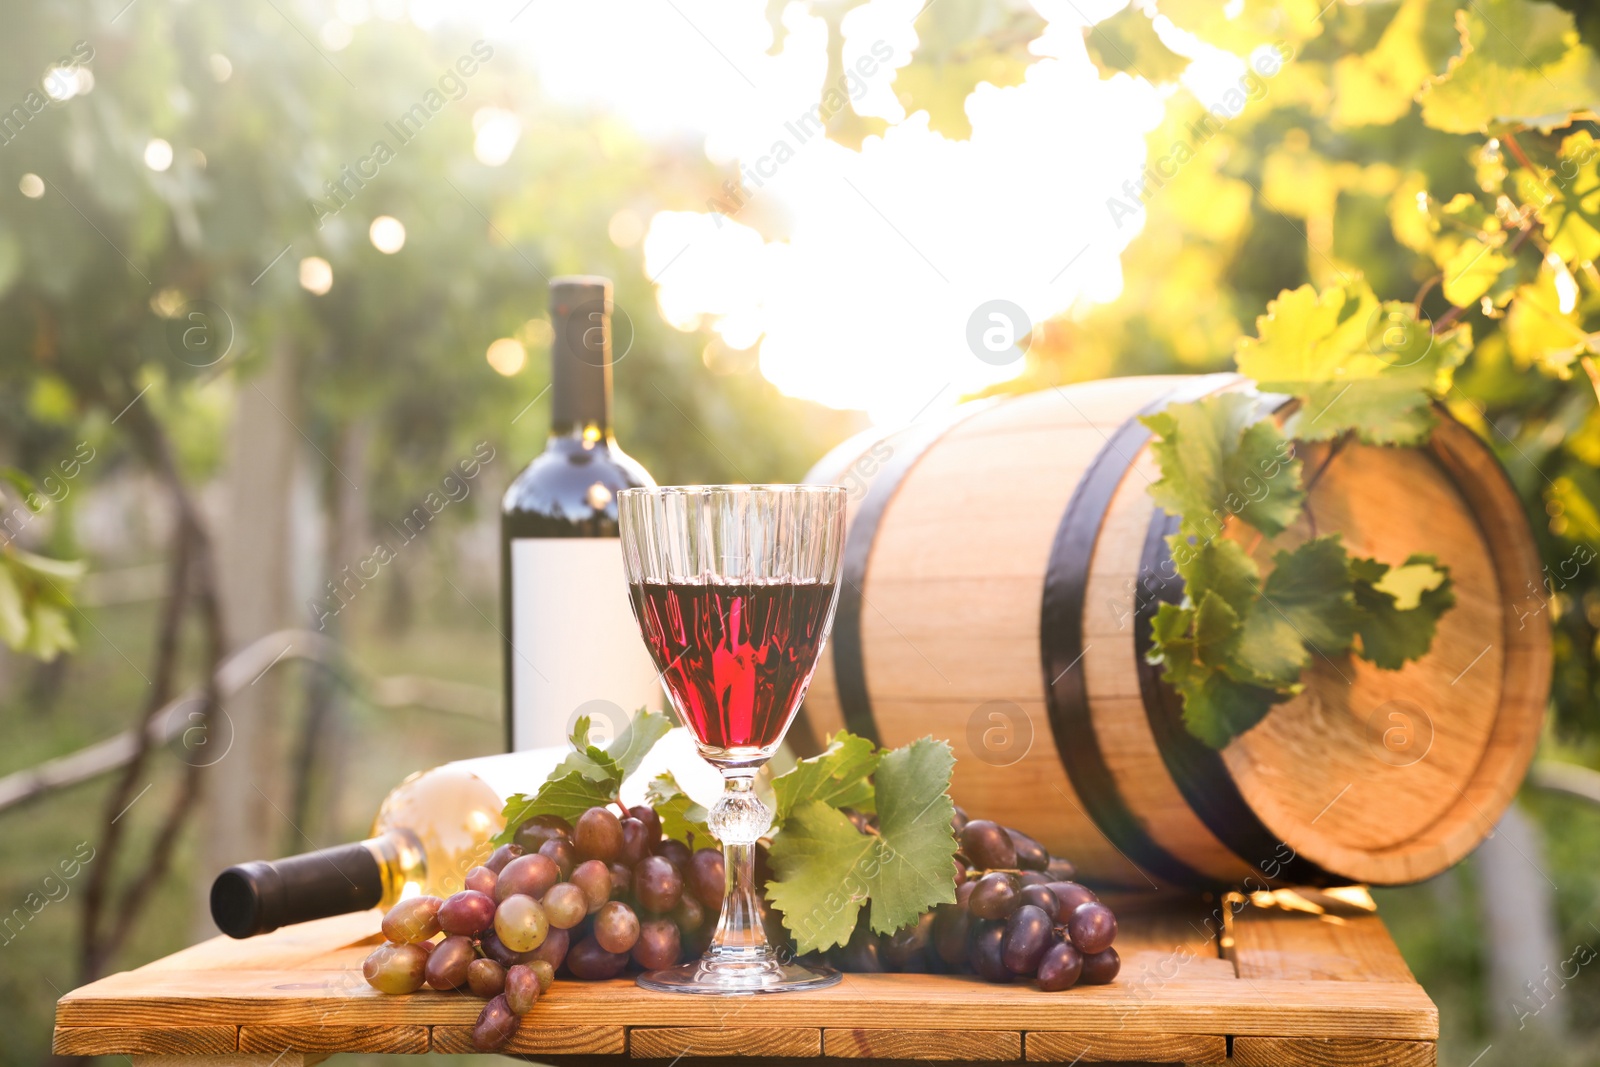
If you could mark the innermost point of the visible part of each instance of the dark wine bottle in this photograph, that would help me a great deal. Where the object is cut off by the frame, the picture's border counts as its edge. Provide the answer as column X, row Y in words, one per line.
column 571, row 643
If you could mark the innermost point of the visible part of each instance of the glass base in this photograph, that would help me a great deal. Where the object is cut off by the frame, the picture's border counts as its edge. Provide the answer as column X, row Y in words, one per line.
column 726, row 978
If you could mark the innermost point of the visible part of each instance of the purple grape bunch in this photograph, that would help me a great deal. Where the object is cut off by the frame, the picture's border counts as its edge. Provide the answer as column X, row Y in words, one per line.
column 588, row 900
column 1017, row 915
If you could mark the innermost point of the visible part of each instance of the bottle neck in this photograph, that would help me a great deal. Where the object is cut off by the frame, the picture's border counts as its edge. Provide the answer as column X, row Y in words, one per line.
column 402, row 863
column 580, row 366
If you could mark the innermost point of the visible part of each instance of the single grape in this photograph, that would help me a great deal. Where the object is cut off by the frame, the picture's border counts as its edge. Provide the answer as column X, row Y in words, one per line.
column 689, row 914
column 863, row 953
column 553, row 951
column 448, row 962
column 657, row 884
column 427, row 946
column 1041, row 897
column 539, row 829
column 676, row 853
column 395, row 968
column 652, row 822
column 1101, row 967
column 1028, row 933
column 1060, row 968
column 531, row 876
column 961, row 871
column 708, row 879
column 993, row 896
column 658, row 945
column 545, row 973
column 467, row 912
column 987, row 951
column 1092, row 927
column 560, row 852
column 501, row 856
column 1027, row 878
column 588, row 961
column 988, row 845
column 964, row 893
column 1070, row 895
column 481, row 880
column 958, row 821
column 1031, row 856
column 635, row 842
column 951, row 925
column 522, row 989
column 565, row 905
column 621, row 881
column 594, row 878
column 486, row 978
column 411, row 920
column 597, row 835
column 494, row 950
column 1060, row 870
column 496, row 1026
column 907, row 948
column 521, row 923
column 616, row 927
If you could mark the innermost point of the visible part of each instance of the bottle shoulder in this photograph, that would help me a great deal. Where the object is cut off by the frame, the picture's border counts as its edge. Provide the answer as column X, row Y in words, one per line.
column 570, row 491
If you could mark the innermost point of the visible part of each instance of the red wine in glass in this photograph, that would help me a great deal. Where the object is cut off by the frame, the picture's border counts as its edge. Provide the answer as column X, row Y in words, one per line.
column 736, row 657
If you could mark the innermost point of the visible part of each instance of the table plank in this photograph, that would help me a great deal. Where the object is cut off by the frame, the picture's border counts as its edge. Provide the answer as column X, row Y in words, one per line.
column 330, row 1039
column 921, row 1044
column 1067, row 1047
column 132, row 1041
column 1332, row 1052
column 671, row 1042
column 1273, row 944
column 540, row 1039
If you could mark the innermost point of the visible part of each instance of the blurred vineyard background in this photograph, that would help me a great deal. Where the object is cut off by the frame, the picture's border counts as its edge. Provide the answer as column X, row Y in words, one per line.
column 171, row 167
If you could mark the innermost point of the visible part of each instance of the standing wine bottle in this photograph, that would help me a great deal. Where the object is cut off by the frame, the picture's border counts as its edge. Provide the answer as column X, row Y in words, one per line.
column 570, row 636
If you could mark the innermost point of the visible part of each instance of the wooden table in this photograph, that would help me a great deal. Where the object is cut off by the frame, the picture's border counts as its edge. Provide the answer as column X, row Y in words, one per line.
column 1268, row 987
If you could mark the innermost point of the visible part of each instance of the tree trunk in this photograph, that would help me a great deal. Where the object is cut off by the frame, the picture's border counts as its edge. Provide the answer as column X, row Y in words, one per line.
column 246, row 812
column 1518, row 907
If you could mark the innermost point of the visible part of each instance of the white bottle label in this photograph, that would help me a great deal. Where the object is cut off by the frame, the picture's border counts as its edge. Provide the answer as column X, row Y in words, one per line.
column 576, row 648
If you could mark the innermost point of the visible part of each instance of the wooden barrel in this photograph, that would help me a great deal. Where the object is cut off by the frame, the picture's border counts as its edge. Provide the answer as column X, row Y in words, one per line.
column 1002, row 566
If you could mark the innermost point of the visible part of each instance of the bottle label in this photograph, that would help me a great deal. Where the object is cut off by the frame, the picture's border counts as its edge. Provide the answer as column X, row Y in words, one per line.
column 576, row 648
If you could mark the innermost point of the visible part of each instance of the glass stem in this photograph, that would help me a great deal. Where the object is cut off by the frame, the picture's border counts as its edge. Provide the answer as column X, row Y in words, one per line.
column 739, row 818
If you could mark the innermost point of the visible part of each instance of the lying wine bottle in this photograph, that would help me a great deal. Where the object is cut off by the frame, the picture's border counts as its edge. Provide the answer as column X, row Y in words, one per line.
column 430, row 831
column 570, row 643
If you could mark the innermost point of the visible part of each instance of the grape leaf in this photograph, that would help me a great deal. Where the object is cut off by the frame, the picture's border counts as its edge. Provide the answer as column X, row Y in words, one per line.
column 1242, row 27
column 838, row 776
column 1391, row 634
column 1471, row 272
column 960, row 46
column 1216, row 708
column 1127, row 41
column 1521, row 63
column 1570, row 199
column 1217, row 461
column 567, row 796
column 13, row 609
column 1309, row 588
column 1356, row 365
column 827, row 869
column 590, row 776
column 682, row 819
column 1377, row 87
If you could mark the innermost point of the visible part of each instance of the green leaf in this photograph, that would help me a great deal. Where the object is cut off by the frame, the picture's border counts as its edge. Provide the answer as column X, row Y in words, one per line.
column 681, row 818
column 1391, row 633
column 1570, row 199
column 1218, row 709
column 1216, row 629
column 13, row 611
column 1217, row 461
column 839, row 776
column 1127, row 42
column 1521, row 64
column 827, row 869
column 1471, row 272
column 629, row 748
column 1245, row 26
column 1355, row 364
column 1310, row 589
column 51, row 632
column 567, row 796
column 958, row 47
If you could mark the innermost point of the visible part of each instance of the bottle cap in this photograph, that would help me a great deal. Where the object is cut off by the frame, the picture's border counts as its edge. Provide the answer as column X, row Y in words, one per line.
column 260, row 896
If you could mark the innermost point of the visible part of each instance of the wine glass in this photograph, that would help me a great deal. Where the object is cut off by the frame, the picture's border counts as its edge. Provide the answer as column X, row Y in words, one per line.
column 734, row 588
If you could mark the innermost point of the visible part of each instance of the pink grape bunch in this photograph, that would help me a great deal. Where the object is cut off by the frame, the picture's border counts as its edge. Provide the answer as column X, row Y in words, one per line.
column 587, row 900
column 1017, row 915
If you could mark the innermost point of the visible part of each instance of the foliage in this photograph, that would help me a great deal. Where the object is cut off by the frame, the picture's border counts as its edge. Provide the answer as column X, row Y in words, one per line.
column 589, row 777
column 827, row 870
